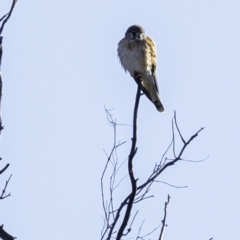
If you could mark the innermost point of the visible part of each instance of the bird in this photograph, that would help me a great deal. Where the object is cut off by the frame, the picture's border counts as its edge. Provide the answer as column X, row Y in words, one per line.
column 137, row 54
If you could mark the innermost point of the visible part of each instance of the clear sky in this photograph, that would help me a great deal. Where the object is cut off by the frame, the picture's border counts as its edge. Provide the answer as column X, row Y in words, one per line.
column 60, row 68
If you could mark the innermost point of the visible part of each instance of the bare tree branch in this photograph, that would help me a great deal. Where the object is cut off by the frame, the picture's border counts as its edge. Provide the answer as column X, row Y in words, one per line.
column 141, row 193
column 164, row 219
column 159, row 170
column 130, row 166
column 143, row 237
column 5, row 168
column 175, row 120
column 170, row 184
column 7, row 16
column 138, row 193
column 1, row 84
column 3, row 195
column 173, row 140
column 112, row 158
column 4, row 235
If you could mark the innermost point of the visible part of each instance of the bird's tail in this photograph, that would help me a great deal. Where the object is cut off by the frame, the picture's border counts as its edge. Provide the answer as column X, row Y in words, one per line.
column 154, row 98
column 151, row 93
column 158, row 104
column 156, row 101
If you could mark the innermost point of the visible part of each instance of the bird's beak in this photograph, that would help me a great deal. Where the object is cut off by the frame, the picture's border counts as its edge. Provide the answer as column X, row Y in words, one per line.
column 139, row 36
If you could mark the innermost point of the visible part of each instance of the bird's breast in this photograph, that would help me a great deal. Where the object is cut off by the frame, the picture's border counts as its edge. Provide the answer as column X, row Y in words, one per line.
column 133, row 56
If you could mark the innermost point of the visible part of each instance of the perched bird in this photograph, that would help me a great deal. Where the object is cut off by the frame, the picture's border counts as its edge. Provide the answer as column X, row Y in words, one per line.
column 137, row 54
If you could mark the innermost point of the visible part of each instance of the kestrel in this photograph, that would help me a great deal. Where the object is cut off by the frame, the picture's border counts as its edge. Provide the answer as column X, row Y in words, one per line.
column 137, row 54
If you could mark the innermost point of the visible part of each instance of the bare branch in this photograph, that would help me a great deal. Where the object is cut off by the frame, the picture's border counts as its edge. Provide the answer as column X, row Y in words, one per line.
column 158, row 171
column 130, row 164
column 150, row 232
column 164, row 219
column 173, row 140
column 119, row 182
column 175, row 119
column 4, row 235
column 143, row 237
column 7, row 16
column 4, row 19
column 138, row 193
column 162, row 162
column 139, row 230
column 193, row 161
column 4, row 190
column 130, row 227
column 139, row 199
column 5, row 168
column 170, row 184
column 1, row 84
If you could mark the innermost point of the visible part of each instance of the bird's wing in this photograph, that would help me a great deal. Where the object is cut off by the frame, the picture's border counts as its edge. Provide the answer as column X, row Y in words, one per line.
column 153, row 54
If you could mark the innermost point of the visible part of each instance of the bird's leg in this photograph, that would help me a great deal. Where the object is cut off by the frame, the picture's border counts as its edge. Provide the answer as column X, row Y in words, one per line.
column 138, row 78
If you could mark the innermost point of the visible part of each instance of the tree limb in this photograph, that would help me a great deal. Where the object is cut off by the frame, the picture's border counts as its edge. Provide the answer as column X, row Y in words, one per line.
column 164, row 219
column 7, row 16
column 2, row 196
column 130, row 166
column 5, row 168
column 4, row 235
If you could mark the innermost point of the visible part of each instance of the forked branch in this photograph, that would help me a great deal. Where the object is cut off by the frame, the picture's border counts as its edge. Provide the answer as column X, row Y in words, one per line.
column 141, row 192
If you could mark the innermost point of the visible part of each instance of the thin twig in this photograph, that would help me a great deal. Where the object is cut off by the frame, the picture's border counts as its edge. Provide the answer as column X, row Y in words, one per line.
column 8, row 16
column 164, row 219
column 171, row 163
column 139, row 230
column 142, row 190
column 170, row 184
column 142, row 198
column 5, row 168
column 151, row 231
column 173, row 140
column 164, row 154
column 5, row 188
column 119, row 182
column 192, row 161
column 130, row 227
column 175, row 119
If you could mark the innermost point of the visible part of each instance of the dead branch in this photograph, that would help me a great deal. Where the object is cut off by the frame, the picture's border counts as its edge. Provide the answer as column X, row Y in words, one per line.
column 4, row 20
column 112, row 160
column 4, row 235
column 171, row 185
column 138, row 193
column 5, row 168
column 144, row 188
column 160, row 168
column 130, row 167
column 6, row 17
column 1, row 83
column 3, row 195
column 149, row 233
column 164, row 219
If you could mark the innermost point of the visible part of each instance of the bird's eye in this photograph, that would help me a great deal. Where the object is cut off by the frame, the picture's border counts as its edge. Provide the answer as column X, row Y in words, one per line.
column 134, row 34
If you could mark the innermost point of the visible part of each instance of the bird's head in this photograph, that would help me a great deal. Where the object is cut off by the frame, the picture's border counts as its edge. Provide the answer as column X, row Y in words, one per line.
column 135, row 32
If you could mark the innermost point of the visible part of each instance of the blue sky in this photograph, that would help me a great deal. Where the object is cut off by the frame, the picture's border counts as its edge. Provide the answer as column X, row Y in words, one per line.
column 60, row 68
